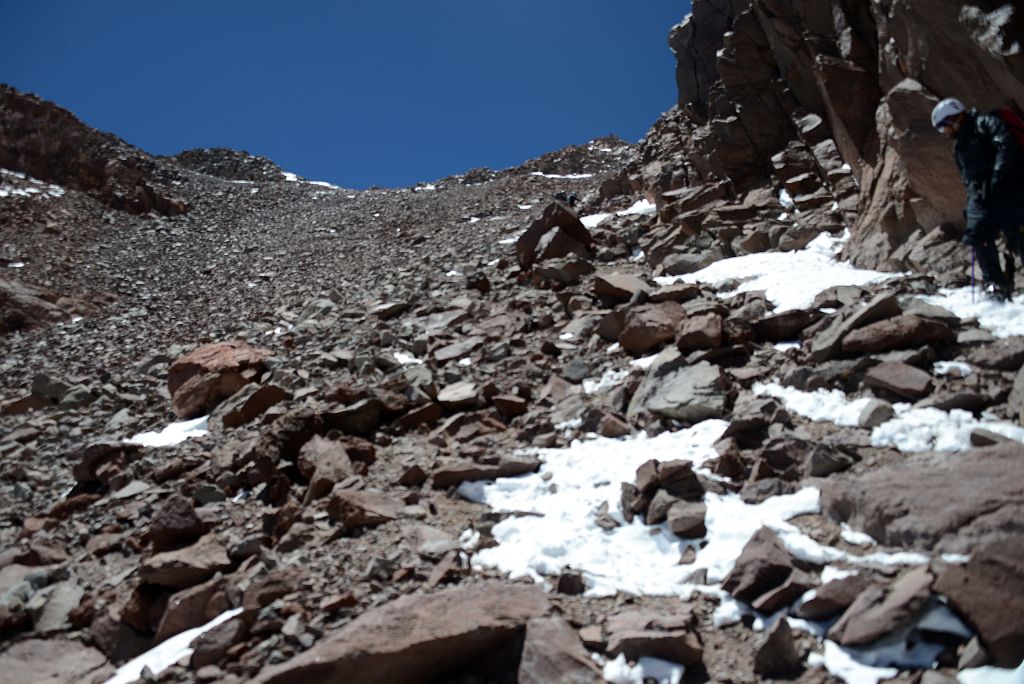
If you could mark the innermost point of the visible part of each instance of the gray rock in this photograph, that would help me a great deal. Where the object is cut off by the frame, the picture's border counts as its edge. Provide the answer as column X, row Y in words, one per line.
column 874, row 413
column 673, row 389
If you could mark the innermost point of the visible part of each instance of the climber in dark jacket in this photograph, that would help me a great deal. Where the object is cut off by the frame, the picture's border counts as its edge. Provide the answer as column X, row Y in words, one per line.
column 992, row 169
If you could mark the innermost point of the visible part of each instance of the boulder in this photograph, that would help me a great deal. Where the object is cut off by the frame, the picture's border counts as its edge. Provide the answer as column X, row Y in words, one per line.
column 417, row 638
column 703, row 331
column 900, row 379
column 899, row 332
column 554, row 654
column 896, row 504
column 877, row 612
column 784, row 326
column 355, row 509
column 686, row 519
column 324, row 463
column 833, row 598
column 201, row 379
column 763, row 565
column 619, row 286
column 1015, row 402
column 986, row 592
column 556, row 234
column 186, row 567
column 249, row 403
column 453, row 472
column 827, row 343
column 777, row 655
column 55, row 661
column 673, row 389
column 458, row 396
column 647, row 326
column 190, row 608
column 175, row 523
column 636, row 634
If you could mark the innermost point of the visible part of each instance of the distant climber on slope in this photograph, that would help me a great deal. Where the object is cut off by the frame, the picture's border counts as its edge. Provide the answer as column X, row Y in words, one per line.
column 991, row 163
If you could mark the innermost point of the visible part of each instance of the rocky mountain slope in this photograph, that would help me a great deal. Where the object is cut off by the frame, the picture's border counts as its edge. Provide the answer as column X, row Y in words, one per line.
column 368, row 360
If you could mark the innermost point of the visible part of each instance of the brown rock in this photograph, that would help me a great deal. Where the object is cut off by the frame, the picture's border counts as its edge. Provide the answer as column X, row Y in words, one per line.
column 324, row 463
column 416, row 638
column 186, row 567
column 987, row 591
column 510, row 405
column 900, row 332
column 554, row 654
column 900, row 379
column 556, row 234
column 703, row 331
column 251, row 402
column 619, row 286
column 452, row 472
column 777, row 655
column 190, row 608
column 896, row 503
column 678, row 479
column 211, row 646
column 874, row 614
column 785, row 326
column 648, row 325
column 175, row 524
column 56, row 661
column 679, row 646
column 833, row 598
column 458, row 396
column 763, row 565
column 355, row 509
column 204, row 377
column 686, row 519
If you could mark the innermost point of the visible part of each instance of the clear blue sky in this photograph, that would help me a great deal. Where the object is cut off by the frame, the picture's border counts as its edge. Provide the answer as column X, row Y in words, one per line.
column 356, row 93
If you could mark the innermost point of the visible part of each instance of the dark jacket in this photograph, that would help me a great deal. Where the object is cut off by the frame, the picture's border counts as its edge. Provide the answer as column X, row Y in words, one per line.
column 992, row 169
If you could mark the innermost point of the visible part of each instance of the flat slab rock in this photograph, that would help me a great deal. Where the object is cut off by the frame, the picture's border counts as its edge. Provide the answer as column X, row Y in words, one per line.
column 981, row 497
column 416, row 638
column 38, row 661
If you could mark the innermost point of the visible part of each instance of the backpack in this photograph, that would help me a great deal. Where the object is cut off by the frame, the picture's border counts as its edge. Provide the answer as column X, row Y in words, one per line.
column 1014, row 123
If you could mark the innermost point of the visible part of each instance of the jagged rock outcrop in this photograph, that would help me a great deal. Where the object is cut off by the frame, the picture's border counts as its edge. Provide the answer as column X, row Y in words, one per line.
column 50, row 143
column 829, row 101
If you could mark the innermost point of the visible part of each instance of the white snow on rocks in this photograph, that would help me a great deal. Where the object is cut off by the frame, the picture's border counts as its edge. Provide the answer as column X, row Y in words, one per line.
column 35, row 188
column 570, row 176
column 912, row 429
column 619, row 671
column 167, row 653
column 553, row 526
column 790, row 280
column 175, row 433
column 1002, row 319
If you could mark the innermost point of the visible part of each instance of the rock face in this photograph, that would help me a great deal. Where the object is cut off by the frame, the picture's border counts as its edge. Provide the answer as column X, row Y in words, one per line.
column 49, row 143
column 416, row 638
column 199, row 380
column 786, row 93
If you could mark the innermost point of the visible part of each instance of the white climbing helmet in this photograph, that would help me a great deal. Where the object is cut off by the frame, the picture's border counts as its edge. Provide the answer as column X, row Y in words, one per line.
column 945, row 109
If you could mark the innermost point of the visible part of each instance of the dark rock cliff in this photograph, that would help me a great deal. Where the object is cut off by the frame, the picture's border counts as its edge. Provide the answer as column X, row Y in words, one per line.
column 831, row 101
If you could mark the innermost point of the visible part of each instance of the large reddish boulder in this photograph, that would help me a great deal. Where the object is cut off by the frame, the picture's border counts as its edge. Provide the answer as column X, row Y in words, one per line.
column 205, row 376
column 416, row 638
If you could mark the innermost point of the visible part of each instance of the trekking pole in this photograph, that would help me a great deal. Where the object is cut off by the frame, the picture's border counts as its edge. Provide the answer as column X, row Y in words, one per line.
column 972, row 274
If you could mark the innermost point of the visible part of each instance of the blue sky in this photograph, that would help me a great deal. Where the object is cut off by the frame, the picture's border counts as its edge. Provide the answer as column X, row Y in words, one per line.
column 385, row 93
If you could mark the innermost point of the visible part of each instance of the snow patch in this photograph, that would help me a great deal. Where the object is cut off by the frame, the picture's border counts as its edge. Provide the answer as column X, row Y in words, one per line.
column 1002, row 319
column 175, row 433
column 790, row 280
column 167, row 653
